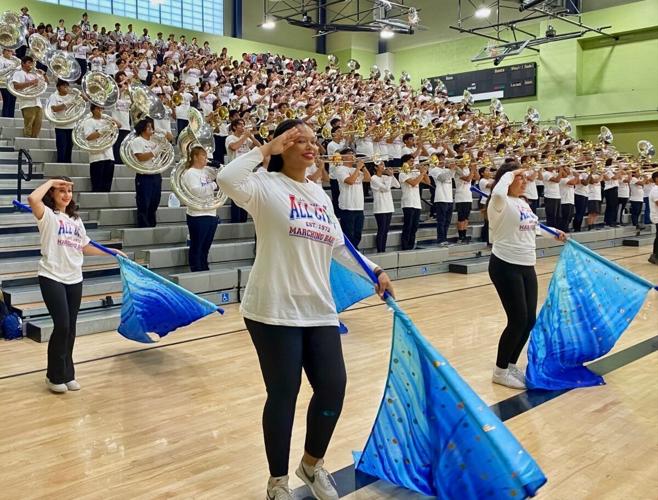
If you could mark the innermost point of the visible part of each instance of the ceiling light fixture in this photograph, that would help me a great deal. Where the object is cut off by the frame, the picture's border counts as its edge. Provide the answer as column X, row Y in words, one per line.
column 386, row 34
column 483, row 12
column 268, row 24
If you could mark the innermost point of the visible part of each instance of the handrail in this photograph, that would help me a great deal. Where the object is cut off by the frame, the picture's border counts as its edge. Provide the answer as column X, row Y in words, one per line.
column 21, row 175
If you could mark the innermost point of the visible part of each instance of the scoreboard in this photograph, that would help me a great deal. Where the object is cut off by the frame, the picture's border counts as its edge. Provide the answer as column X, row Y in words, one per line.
column 504, row 82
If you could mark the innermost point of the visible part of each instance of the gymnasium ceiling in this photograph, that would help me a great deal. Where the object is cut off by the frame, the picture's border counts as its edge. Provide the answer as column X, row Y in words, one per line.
column 436, row 15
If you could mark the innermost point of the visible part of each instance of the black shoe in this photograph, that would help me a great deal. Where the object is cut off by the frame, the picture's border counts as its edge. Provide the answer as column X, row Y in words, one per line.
column 653, row 259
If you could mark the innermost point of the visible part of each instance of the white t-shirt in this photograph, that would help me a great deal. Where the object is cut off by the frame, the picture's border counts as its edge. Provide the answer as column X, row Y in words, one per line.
column 624, row 190
column 332, row 149
column 298, row 234
column 653, row 206
column 637, row 191
column 351, row 195
column 582, row 190
column 410, row 194
column 121, row 112
column 62, row 240
column 512, row 225
column 312, row 170
column 612, row 183
column 594, row 186
column 483, row 185
column 201, row 183
column 567, row 191
column 244, row 148
column 92, row 125
column 140, row 145
column 381, row 193
column 443, row 179
column 463, row 188
column 21, row 76
column 551, row 189
column 58, row 100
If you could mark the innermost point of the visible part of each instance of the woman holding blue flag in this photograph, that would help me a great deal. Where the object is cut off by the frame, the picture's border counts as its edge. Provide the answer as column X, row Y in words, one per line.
column 513, row 228
column 287, row 305
column 64, row 241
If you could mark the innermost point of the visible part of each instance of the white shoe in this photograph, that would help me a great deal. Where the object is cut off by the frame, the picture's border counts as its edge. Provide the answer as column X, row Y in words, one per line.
column 319, row 482
column 514, row 370
column 73, row 385
column 58, row 388
column 504, row 377
column 277, row 489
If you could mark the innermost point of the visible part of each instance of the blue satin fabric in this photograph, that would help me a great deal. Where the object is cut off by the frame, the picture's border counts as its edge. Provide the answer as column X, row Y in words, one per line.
column 153, row 304
column 434, row 435
column 348, row 287
column 590, row 302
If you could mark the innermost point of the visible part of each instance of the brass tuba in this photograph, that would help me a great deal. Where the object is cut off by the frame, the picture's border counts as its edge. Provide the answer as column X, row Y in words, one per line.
column 64, row 66
column 101, row 89
column 646, row 149
column 29, row 92
column 564, row 126
column 109, row 133
column 12, row 31
column 40, row 48
column 532, row 114
column 195, row 134
column 163, row 159
column 146, row 104
column 74, row 110
column 605, row 135
column 8, row 70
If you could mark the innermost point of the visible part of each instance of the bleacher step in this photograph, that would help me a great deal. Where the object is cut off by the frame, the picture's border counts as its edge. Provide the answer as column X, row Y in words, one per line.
column 94, row 321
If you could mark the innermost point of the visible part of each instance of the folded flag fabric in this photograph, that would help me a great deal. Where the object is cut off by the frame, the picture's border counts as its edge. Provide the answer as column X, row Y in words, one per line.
column 348, row 287
column 434, row 435
column 153, row 304
column 590, row 303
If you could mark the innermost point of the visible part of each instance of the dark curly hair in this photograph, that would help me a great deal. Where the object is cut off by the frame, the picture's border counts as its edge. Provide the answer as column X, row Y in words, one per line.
column 49, row 201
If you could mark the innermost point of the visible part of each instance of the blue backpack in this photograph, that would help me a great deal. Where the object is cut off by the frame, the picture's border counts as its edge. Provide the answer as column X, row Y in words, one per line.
column 11, row 325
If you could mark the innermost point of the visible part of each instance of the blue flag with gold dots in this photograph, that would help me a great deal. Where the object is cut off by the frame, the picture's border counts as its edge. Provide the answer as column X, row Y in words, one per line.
column 348, row 287
column 434, row 435
column 590, row 303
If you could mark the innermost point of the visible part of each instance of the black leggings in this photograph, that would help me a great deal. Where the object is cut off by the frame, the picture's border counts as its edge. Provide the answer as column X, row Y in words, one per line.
column 63, row 303
column 517, row 288
column 282, row 352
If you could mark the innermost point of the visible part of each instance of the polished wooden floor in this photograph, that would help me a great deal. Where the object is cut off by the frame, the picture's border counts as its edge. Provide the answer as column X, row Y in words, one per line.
column 181, row 419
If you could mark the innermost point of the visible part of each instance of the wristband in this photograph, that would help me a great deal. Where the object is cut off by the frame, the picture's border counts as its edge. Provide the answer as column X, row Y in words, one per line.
column 378, row 272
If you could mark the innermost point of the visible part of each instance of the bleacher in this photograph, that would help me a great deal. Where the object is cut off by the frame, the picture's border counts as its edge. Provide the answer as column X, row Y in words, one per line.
column 110, row 219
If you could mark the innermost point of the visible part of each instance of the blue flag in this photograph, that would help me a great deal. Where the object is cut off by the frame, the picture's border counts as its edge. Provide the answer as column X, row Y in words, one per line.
column 348, row 287
column 153, row 304
column 590, row 302
column 434, row 435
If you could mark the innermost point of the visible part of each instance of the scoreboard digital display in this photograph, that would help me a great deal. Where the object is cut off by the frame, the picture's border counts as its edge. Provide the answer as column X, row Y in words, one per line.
column 504, row 82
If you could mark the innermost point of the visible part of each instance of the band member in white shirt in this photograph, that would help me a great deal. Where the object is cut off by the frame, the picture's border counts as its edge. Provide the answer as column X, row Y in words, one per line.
column 383, row 208
column 351, row 199
column 31, row 109
column 551, row 177
column 202, row 224
column 337, row 144
column 443, row 200
column 581, row 194
column 512, row 268
column 294, row 327
column 464, row 198
column 568, row 184
column 101, row 163
column 637, row 198
column 8, row 99
column 611, row 193
column 239, row 142
column 63, row 132
column 64, row 241
column 410, row 178
column 148, row 187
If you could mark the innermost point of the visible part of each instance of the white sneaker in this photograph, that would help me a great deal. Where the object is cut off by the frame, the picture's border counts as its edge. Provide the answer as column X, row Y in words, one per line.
column 58, row 388
column 319, row 482
column 277, row 489
column 504, row 377
column 514, row 370
column 73, row 385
